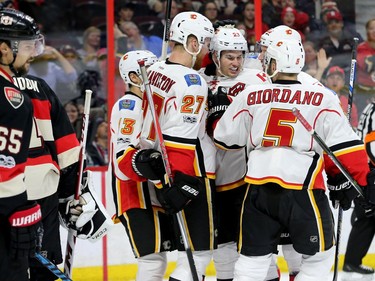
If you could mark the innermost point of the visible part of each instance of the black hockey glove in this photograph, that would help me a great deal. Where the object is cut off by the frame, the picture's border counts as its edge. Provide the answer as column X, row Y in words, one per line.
column 24, row 231
column 368, row 202
column 217, row 105
column 184, row 189
column 148, row 163
column 341, row 191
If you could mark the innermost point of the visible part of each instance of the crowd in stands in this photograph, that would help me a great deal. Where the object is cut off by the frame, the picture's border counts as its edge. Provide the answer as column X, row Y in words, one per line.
column 76, row 57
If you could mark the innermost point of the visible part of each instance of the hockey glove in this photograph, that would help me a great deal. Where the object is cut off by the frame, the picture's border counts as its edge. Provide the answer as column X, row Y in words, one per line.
column 88, row 218
column 368, row 203
column 341, row 191
column 184, row 189
column 148, row 163
column 23, row 233
column 217, row 105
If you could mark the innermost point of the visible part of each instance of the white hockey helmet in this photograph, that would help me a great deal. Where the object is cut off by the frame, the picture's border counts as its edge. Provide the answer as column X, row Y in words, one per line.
column 288, row 54
column 279, row 33
column 190, row 23
column 129, row 63
column 228, row 38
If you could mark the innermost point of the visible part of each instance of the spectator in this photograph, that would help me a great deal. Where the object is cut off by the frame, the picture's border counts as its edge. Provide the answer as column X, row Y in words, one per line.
column 97, row 152
column 158, row 29
column 75, row 117
column 366, row 67
column 71, row 55
column 90, row 47
column 338, row 43
column 248, row 21
column 125, row 12
column 301, row 18
column 335, row 80
column 316, row 62
column 271, row 13
column 288, row 18
column 57, row 71
column 210, row 10
column 92, row 80
column 137, row 41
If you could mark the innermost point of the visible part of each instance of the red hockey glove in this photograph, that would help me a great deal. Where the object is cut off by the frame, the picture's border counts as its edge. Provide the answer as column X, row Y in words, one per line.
column 148, row 163
column 184, row 189
column 342, row 191
column 23, row 234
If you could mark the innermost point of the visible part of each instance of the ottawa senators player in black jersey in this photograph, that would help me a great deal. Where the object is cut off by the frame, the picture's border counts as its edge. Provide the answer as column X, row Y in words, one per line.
column 50, row 171
column 19, row 218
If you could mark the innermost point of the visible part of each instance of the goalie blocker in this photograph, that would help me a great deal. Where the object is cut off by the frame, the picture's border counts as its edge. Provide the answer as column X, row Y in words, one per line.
column 88, row 219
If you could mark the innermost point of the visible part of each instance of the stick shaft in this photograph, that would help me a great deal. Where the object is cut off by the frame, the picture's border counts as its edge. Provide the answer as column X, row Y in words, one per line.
column 179, row 217
column 352, row 77
column 71, row 240
column 329, row 152
column 52, row 267
column 166, row 29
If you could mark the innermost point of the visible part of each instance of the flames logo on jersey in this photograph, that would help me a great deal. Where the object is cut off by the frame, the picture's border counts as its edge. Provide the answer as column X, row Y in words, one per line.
column 236, row 89
column 14, row 96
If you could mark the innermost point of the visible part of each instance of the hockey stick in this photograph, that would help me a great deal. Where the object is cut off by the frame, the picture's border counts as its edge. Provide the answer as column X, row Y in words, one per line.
column 71, row 241
column 52, row 267
column 325, row 147
column 353, row 72
column 44, row 260
column 166, row 30
column 340, row 213
column 167, row 166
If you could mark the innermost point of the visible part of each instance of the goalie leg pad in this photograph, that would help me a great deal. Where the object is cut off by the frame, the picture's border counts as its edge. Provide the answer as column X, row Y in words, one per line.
column 152, row 267
column 273, row 270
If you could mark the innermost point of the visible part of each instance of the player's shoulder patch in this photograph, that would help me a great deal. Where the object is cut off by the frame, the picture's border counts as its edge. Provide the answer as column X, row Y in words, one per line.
column 192, row 79
column 127, row 104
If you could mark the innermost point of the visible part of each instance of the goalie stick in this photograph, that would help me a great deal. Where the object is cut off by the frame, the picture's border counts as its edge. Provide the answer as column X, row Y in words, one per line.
column 352, row 77
column 71, row 241
column 167, row 166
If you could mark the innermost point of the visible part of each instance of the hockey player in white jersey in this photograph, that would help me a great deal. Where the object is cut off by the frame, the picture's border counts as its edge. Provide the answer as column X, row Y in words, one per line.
column 134, row 196
column 285, row 165
column 283, row 32
column 225, row 76
column 180, row 97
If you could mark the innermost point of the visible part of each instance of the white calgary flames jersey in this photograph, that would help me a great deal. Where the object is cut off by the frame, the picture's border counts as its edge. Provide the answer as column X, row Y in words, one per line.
column 129, row 189
column 281, row 149
column 180, row 98
column 231, row 165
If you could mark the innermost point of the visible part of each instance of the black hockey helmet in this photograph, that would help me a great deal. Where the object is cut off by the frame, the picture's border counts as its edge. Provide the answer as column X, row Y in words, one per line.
column 15, row 25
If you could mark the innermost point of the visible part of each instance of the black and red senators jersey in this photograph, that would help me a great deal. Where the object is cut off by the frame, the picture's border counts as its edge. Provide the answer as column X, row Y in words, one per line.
column 15, row 131
column 54, row 145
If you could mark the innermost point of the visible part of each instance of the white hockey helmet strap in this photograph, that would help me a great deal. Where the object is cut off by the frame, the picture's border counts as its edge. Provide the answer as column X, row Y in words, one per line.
column 288, row 54
column 129, row 63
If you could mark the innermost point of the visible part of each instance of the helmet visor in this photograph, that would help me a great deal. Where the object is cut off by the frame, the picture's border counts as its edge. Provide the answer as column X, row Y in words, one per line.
column 33, row 47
